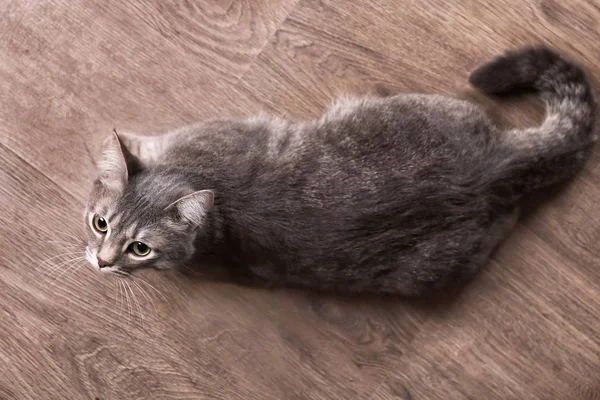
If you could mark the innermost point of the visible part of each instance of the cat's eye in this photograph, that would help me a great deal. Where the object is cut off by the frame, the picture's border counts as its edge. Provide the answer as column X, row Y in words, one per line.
column 140, row 249
column 100, row 224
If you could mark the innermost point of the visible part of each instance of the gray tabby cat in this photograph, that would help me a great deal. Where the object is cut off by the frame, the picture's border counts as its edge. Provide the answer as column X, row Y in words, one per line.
column 397, row 195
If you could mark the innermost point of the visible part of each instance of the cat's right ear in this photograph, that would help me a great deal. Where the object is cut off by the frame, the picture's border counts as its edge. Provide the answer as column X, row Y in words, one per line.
column 112, row 167
column 192, row 207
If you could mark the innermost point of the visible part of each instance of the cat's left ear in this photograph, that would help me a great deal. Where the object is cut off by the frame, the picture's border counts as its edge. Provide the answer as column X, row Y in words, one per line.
column 113, row 168
column 146, row 150
column 193, row 207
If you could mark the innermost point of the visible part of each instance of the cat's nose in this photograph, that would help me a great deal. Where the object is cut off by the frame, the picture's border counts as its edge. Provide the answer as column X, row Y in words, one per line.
column 102, row 263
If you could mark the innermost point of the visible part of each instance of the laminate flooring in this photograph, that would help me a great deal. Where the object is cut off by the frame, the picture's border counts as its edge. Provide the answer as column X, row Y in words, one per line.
column 527, row 327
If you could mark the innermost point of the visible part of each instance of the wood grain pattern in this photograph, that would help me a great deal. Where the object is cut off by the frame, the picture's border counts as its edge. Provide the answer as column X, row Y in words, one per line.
column 526, row 328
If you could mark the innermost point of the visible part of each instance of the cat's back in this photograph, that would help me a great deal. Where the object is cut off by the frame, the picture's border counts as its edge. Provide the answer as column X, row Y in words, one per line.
column 374, row 140
column 404, row 123
column 219, row 146
column 401, row 125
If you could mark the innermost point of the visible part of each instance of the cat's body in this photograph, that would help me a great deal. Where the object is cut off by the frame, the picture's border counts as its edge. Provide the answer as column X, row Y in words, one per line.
column 397, row 195
column 316, row 204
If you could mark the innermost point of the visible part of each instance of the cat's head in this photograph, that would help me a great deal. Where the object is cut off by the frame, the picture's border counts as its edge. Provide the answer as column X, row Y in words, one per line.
column 140, row 215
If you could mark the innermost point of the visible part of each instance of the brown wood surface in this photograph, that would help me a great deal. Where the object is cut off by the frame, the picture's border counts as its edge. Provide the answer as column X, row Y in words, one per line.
column 527, row 327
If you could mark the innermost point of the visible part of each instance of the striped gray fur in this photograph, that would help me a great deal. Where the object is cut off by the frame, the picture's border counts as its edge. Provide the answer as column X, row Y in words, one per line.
column 404, row 194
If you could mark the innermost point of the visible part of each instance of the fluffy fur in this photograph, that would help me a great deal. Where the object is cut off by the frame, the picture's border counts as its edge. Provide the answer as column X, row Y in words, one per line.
column 398, row 195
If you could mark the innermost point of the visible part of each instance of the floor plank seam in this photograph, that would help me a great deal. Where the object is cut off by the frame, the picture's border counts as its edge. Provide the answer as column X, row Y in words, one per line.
column 20, row 157
column 267, row 43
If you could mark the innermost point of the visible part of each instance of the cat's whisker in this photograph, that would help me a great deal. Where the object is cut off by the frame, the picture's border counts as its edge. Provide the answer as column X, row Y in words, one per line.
column 127, row 299
column 116, row 294
column 71, row 256
column 150, row 286
column 78, row 265
column 72, row 248
column 55, row 268
column 137, row 303
column 49, row 260
column 68, row 253
column 121, row 297
column 69, row 236
column 64, row 242
column 74, row 263
column 146, row 295
column 67, row 265
column 190, row 269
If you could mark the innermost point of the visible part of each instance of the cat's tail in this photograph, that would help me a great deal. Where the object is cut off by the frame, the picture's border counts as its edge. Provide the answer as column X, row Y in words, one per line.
column 553, row 151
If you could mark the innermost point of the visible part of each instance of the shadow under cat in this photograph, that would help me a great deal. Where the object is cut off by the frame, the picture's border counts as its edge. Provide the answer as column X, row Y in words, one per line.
column 203, row 270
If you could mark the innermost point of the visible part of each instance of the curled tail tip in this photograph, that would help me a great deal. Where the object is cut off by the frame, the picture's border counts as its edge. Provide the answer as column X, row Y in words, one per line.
column 515, row 70
column 560, row 145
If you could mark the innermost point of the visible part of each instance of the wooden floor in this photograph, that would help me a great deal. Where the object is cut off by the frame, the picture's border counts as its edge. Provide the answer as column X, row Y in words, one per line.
column 527, row 327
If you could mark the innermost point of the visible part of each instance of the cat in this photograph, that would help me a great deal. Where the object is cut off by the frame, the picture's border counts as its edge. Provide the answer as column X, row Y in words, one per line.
column 402, row 195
